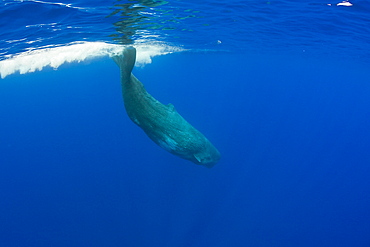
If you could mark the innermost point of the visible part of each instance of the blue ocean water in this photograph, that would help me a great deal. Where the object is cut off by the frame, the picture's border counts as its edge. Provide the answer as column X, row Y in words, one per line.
column 280, row 87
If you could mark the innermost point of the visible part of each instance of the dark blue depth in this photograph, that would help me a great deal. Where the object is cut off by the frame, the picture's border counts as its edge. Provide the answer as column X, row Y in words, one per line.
column 294, row 172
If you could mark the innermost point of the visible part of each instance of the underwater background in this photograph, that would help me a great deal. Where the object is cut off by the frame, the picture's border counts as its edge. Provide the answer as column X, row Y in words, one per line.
column 281, row 88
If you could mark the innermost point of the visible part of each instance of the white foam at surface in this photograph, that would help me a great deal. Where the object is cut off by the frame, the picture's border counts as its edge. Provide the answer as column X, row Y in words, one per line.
column 34, row 60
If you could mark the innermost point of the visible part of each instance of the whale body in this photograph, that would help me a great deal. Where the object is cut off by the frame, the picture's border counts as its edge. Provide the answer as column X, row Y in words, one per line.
column 162, row 123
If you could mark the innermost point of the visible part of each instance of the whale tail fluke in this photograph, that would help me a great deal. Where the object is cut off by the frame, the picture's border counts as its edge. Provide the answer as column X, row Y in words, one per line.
column 126, row 60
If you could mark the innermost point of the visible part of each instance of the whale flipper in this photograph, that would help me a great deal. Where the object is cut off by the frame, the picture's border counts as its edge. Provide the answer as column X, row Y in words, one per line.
column 162, row 123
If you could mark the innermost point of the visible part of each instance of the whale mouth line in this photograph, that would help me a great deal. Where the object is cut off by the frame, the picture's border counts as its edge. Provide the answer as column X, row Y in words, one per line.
column 37, row 59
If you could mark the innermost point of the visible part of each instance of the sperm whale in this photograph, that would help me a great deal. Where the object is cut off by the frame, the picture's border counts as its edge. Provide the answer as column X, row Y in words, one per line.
column 162, row 123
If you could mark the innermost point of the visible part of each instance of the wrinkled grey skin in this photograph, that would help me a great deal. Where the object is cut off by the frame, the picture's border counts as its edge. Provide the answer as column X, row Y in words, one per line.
column 162, row 123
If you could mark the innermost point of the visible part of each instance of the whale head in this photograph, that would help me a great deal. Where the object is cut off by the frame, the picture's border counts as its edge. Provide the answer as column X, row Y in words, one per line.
column 207, row 157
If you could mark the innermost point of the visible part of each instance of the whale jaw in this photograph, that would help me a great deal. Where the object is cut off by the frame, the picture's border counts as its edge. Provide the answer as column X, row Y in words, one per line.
column 207, row 159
